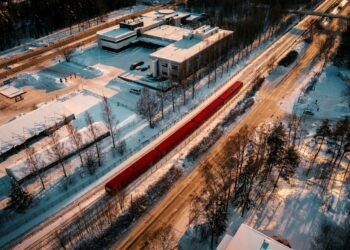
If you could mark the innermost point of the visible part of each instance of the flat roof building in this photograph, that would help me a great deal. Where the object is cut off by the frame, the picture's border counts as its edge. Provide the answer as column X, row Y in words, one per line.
column 180, row 59
column 128, row 31
column 115, row 38
column 124, row 34
column 190, row 45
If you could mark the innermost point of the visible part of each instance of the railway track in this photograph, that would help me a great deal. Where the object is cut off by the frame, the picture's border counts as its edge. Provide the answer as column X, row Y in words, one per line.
column 99, row 188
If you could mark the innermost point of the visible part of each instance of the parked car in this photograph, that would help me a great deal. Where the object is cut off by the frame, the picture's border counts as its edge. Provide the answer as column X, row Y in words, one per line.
column 134, row 65
column 144, row 68
column 308, row 112
column 135, row 91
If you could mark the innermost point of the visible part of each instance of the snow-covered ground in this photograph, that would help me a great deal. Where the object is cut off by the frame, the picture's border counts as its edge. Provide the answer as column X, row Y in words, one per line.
column 133, row 128
column 327, row 99
column 56, row 77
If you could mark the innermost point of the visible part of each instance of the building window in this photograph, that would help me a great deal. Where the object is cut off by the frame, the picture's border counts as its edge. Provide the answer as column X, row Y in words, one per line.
column 164, row 65
column 174, row 67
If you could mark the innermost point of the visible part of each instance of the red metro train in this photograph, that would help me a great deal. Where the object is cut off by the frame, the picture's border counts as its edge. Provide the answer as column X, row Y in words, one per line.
column 139, row 167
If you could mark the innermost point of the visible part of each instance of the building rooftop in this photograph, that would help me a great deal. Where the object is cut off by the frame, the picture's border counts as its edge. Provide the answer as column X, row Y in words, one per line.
column 193, row 17
column 186, row 48
column 149, row 20
column 168, row 32
column 248, row 238
column 152, row 18
column 31, row 124
column 10, row 91
column 115, row 31
column 20, row 170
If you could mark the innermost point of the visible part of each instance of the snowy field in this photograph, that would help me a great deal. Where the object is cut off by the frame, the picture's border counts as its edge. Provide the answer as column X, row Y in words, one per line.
column 38, row 81
column 327, row 98
column 87, row 64
column 55, row 77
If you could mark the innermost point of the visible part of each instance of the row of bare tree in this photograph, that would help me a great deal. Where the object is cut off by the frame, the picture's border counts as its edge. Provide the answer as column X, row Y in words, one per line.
column 90, row 158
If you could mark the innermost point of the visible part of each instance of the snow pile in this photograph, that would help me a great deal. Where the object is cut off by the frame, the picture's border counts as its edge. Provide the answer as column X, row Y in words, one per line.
column 38, row 81
column 20, row 170
column 23, row 128
column 66, row 69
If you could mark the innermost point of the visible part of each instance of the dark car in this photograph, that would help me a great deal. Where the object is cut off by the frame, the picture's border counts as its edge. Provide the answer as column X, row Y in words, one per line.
column 134, row 65
column 135, row 91
column 144, row 68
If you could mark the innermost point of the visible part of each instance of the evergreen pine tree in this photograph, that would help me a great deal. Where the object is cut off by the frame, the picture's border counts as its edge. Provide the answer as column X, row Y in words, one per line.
column 276, row 145
column 321, row 133
column 290, row 163
column 19, row 199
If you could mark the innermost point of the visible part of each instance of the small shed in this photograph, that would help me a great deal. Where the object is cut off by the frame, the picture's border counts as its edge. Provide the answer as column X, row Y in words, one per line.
column 12, row 92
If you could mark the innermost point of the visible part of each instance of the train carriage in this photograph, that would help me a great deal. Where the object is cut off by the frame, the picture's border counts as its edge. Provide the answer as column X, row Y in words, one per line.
column 230, row 92
column 132, row 172
column 176, row 138
column 136, row 169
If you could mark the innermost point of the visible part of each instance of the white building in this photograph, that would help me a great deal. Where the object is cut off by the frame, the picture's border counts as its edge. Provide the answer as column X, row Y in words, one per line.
column 192, row 52
column 248, row 238
column 116, row 38
column 128, row 31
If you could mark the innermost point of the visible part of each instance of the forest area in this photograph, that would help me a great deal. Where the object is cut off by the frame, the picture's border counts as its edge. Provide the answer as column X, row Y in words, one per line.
column 36, row 18
column 248, row 18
